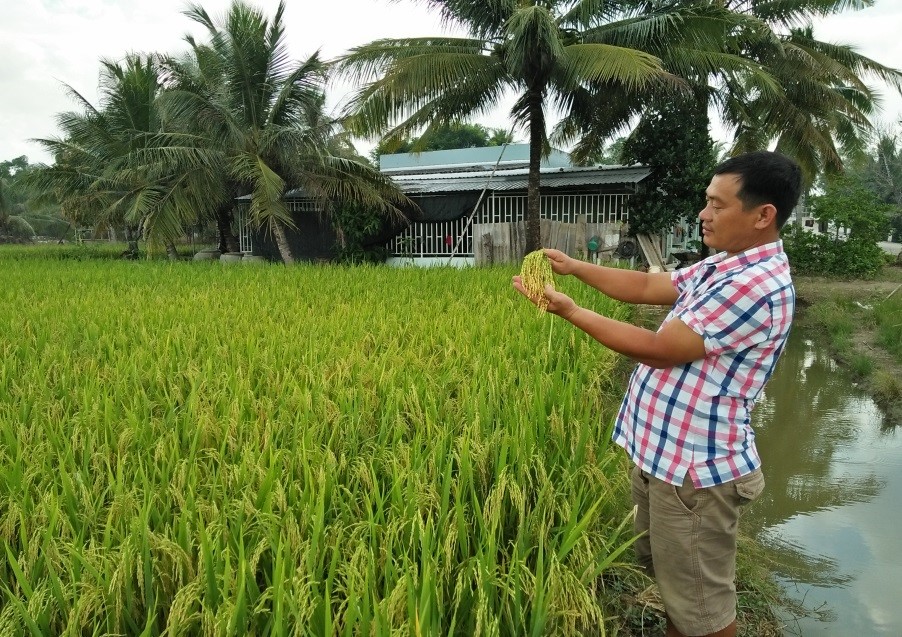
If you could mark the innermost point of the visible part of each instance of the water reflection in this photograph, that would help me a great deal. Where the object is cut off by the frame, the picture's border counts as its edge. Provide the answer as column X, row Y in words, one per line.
column 829, row 514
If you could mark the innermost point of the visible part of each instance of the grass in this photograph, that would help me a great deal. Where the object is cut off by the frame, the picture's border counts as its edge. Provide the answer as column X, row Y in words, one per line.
column 189, row 448
column 862, row 325
column 838, row 318
column 862, row 365
column 888, row 318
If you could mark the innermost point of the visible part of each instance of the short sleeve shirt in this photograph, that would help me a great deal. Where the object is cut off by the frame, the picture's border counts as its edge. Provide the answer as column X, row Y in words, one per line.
column 695, row 419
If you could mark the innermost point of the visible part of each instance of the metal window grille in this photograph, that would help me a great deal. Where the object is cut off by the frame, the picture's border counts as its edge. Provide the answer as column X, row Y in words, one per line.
column 433, row 239
column 566, row 208
column 302, row 205
column 245, row 242
column 437, row 239
column 243, row 225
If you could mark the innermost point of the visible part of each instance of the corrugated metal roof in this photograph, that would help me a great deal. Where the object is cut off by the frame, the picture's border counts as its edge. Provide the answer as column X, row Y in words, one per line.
column 509, row 179
column 469, row 158
column 516, row 179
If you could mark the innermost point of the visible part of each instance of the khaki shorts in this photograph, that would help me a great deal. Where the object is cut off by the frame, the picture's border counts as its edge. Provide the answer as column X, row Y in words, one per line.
column 689, row 546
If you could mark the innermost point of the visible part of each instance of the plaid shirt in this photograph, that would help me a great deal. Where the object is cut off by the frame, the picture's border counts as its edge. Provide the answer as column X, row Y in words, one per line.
column 695, row 418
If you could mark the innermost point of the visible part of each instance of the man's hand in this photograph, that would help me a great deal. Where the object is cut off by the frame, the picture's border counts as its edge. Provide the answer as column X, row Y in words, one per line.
column 558, row 303
column 560, row 262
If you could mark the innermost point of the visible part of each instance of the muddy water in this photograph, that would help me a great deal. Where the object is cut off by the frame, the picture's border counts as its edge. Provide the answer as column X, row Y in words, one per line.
column 832, row 510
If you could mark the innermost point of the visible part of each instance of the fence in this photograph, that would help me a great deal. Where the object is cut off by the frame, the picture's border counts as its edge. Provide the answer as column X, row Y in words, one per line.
column 243, row 225
column 591, row 214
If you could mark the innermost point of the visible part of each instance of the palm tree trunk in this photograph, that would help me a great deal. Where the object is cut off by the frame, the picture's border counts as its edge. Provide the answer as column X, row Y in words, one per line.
column 171, row 252
column 282, row 243
column 536, row 137
column 228, row 242
column 131, row 240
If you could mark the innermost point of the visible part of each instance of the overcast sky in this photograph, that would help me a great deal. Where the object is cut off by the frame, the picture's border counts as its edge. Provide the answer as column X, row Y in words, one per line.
column 49, row 43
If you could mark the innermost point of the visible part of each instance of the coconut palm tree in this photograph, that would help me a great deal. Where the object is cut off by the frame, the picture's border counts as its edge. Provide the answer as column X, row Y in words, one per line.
column 561, row 54
column 816, row 107
column 106, row 168
column 825, row 107
column 262, row 114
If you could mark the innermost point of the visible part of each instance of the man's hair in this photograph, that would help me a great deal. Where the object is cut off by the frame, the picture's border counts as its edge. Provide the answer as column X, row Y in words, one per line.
column 766, row 177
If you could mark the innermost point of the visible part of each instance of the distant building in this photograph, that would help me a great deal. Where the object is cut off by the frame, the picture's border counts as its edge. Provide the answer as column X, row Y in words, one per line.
column 462, row 196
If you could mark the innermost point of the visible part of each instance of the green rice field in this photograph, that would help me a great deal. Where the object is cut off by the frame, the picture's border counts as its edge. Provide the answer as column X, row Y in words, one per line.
column 199, row 449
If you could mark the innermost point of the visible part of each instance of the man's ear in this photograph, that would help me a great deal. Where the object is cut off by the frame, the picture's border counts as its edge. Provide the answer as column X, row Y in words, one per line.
column 767, row 215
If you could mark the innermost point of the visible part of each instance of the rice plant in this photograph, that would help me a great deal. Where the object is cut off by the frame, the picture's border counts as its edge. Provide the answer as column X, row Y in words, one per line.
column 192, row 449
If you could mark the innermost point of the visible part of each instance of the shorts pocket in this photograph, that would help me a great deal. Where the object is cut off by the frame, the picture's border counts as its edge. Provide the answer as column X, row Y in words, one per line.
column 687, row 497
column 750, row 487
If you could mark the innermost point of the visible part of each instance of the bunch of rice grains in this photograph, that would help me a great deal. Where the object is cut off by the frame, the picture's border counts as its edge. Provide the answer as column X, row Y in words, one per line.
column 535, row 273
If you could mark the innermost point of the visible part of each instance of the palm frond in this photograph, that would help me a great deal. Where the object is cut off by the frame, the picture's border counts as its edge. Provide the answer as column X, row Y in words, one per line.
column 415, row 91
column 604, row 63
column 798, row 12
column 482, row 18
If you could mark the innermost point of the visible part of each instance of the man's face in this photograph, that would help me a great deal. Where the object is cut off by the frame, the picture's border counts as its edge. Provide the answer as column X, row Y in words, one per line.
column 726, row 224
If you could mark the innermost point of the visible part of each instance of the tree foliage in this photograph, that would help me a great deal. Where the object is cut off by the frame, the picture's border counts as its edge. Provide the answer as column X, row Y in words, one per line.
column 562, row 54
column 880, row 169
column 14, row 195
column 772, row 82
column 846, row 203
column 174, row 141
column 601, row 64
column 104, row 173
column 672, row 139
column 262, row 113
column 445, row 137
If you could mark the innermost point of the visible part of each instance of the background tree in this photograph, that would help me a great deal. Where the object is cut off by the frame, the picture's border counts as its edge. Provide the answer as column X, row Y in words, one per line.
column 824, row 107
column 445, row 137
column 247, row 102
column 17, row 199
column 12, row 206
column 672, row 139
column 881, row 170
column 610, row 154
column 106, row 172
column 846, row 203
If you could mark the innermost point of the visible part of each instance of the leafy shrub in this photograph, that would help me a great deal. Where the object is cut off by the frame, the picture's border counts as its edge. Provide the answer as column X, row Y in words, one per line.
column 889, row 324
column 17, row 228
column 862, row 365
column 887, row 388
column 822, row 254
column 355, row 226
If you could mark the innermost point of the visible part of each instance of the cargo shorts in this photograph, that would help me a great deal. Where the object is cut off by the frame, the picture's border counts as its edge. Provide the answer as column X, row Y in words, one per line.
column 688, row 544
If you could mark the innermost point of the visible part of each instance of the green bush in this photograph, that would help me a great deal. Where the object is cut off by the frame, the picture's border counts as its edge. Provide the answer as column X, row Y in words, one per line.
column 862, row 365
column 355, row 227
column 889, row 324
column 822, row 254
column 17, row 228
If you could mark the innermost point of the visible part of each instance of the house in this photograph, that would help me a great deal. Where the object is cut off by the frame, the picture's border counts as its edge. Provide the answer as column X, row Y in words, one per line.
column 471, row 203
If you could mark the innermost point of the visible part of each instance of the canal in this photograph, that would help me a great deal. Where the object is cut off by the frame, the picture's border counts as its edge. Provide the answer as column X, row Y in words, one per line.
column 831, row 515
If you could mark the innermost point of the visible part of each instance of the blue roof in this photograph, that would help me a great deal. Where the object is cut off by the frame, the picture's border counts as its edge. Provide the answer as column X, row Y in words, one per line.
column 511, row 155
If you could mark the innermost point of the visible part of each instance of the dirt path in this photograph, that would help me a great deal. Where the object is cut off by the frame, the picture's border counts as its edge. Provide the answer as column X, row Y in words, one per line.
column 812, row 290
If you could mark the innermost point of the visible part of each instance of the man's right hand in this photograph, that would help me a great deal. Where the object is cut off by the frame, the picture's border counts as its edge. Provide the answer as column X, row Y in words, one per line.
column 560, row 262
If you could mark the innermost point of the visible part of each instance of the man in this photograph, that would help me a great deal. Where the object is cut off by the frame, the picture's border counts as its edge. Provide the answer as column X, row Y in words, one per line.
column 685, row 419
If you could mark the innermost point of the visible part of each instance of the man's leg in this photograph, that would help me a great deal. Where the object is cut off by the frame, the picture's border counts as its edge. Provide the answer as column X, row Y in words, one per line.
column 729, row 631
column 642, row 546
column 693, row 542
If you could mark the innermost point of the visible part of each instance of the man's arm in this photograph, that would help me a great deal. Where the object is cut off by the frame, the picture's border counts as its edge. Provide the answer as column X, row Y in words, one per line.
column 674, row 344
column 628, row 286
